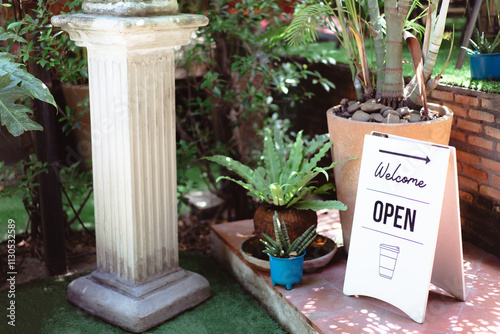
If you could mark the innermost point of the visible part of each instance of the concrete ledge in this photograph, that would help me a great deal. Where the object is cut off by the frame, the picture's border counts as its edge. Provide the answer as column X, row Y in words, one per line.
column 258, row 283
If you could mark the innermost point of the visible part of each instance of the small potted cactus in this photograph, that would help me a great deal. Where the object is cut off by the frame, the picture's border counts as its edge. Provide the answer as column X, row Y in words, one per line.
column 484, row 57
column 286, row 259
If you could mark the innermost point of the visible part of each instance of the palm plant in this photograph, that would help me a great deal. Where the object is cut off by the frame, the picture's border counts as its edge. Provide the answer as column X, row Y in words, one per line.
column 350, row 27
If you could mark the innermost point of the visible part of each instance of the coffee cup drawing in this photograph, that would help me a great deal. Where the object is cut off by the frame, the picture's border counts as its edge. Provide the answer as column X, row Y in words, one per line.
column 387, row 260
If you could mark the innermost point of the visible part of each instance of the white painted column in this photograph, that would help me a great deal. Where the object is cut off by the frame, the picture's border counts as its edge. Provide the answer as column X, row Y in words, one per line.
column 138, row 283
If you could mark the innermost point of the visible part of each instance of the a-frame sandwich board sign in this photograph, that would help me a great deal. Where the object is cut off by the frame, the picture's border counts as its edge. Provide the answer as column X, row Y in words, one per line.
column 406, row 227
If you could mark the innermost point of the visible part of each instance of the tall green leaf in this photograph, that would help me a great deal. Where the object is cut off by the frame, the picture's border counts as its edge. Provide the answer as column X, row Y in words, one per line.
column 295, row 159
column 317, row 157
column 319, row 205
column 243, row 171
column 271, row 157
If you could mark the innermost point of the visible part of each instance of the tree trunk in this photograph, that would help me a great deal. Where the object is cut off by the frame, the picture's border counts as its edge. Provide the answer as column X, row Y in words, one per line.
column 379, row 45
column 395, row 11
column 46, row 148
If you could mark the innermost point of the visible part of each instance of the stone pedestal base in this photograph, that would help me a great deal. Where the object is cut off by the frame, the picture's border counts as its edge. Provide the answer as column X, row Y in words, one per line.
column 138, row 307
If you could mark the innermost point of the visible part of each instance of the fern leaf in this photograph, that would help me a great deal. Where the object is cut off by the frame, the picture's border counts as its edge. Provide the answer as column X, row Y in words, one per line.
column 320, row 205
column 248, row 186
column 271, row 159
column 235, row 166
column 279, row 145
column 277, row 194
column 259, row 179
column 318, row 156
column 295, row 159
column 324, row 189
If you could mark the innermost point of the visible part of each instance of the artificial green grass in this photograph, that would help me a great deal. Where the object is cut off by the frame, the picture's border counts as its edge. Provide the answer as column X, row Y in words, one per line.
column 41, row 307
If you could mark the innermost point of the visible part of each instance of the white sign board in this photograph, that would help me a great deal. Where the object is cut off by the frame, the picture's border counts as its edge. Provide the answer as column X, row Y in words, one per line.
column 406, row 226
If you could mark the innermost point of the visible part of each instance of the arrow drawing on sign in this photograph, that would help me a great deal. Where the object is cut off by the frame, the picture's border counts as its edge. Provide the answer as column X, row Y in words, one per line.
column 426, row 159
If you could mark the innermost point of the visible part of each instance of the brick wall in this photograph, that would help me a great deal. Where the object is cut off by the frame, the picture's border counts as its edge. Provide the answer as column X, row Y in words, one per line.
column 476, row 136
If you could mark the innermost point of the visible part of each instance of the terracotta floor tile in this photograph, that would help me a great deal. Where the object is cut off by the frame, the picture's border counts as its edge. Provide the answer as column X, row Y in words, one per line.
column 478, row 320
column 316, row 301
column 484, row 293
column 489, row 268
column 320, row 299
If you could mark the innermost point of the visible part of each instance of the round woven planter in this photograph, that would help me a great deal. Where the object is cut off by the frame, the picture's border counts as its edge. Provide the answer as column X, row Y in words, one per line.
column 348, row 138
column 297, row 221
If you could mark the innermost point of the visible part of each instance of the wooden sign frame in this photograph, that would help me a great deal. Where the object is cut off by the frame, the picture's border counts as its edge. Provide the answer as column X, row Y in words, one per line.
column 406, row 229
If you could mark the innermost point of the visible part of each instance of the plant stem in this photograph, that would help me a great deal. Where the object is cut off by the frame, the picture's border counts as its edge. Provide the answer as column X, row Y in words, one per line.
column 395, row 11
column 379, row 45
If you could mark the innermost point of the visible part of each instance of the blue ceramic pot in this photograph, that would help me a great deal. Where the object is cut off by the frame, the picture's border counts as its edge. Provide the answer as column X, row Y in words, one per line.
column 485, row 66
column 286, row 271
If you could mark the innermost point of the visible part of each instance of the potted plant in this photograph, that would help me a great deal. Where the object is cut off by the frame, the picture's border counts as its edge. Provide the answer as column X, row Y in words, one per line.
column 285, row 182
column 385, row 104
column 484, row 57
column 286, row 258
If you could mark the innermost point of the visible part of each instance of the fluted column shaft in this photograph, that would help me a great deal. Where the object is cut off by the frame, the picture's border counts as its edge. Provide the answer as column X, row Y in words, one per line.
column 131, row 73
column 133, row 141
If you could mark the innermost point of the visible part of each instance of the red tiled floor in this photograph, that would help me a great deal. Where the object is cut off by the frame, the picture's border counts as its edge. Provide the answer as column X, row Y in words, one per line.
column 327, row 310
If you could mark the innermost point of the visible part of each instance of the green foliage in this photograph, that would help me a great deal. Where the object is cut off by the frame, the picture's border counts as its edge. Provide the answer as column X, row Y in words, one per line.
column 39, row 42
column 373, row 74
column 482, row 45
column 287, row 176
column 281, row 247
column 22, row 177
column 234, row 80
column 33, row 39
column 16, row 83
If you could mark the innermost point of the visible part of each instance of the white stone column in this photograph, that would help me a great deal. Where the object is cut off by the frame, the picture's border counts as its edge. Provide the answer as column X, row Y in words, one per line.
column 138, row 283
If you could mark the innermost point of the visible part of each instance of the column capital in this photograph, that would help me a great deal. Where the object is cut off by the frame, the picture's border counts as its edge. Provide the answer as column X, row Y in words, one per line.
column 105, row 31
column 130, row 7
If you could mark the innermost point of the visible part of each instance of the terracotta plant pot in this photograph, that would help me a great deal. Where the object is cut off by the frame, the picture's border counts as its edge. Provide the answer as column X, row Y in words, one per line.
column 297, row 221
column 348, row 137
